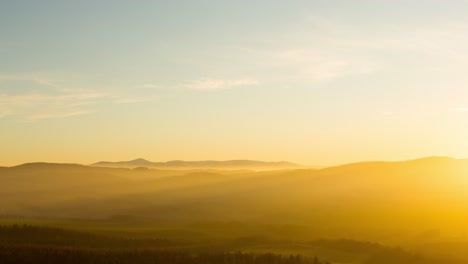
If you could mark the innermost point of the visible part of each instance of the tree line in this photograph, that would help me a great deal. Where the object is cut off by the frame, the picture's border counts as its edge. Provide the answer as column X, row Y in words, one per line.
column 24, row 244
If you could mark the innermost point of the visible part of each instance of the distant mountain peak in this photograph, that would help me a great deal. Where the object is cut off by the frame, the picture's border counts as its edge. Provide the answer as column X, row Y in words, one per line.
column 47, row 166
column 139, row 160
column 202, row 164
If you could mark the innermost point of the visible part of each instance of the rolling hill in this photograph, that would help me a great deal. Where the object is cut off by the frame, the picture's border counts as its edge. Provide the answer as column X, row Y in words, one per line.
column 378, row 197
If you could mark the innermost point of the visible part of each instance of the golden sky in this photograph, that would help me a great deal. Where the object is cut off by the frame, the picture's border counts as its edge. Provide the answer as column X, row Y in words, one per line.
column 312, row 82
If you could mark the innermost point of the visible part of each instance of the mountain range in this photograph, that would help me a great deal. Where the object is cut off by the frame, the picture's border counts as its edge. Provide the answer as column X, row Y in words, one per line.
column 205, row 164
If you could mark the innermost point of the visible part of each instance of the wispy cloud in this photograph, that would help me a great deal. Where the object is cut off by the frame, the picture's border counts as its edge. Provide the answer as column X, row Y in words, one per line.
column 150, row 86
column 324, row 50
column 46, row 115
column 314, row 64
column 218, row 84
column 40, row 79
column 132, row 100
column 390, row 115
column 4, row 111
column 42, row 98
column 462, row 109
column 40, row 106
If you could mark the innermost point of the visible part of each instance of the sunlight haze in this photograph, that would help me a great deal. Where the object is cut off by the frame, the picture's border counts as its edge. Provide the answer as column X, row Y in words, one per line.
column 234, row 131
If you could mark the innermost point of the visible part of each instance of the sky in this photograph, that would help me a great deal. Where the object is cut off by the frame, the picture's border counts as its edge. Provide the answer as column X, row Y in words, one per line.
column 312, row 82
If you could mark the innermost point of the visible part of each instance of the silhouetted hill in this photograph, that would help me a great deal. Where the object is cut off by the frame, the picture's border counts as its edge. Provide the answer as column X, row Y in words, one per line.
column 206, row 164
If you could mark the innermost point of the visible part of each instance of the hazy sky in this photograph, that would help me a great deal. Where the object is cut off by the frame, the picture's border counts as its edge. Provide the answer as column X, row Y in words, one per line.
column 313, row 82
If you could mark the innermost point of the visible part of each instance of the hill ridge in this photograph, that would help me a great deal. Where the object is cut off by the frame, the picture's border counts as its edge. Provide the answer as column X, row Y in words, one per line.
column 201, row 164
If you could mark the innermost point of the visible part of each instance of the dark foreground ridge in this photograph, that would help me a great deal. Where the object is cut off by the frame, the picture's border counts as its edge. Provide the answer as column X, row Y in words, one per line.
column 39, row 244
column 29, row 244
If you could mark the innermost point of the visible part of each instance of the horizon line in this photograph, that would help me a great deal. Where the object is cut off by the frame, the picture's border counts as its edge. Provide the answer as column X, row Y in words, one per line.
column 293, row 163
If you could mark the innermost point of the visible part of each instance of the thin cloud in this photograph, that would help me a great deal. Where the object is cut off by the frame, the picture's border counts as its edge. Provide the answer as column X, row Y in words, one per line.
column 46, row 98
column 462, row 109
column 132, row 100
column 338, row 50
column 313, row 64
column 41, row 106
column 34, row 78
column 218, row 84
column 4, row 112
column 47, row 115
column 151, row 86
